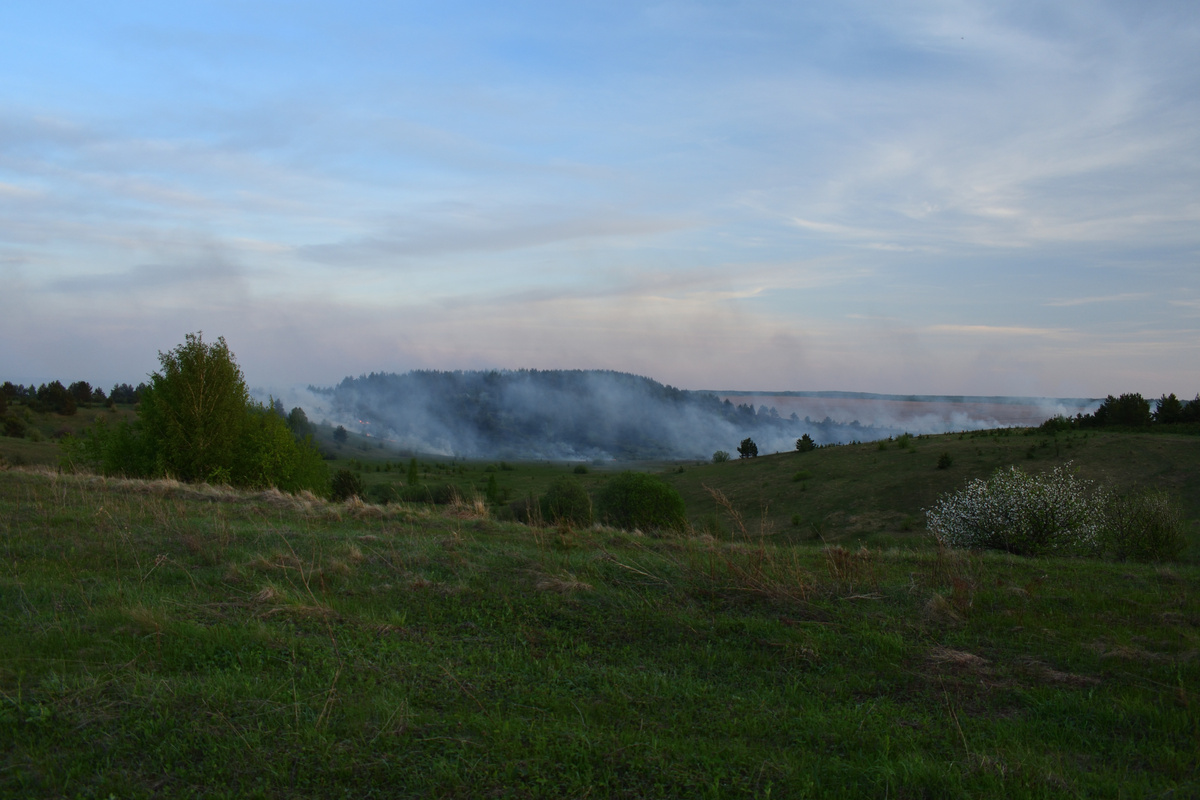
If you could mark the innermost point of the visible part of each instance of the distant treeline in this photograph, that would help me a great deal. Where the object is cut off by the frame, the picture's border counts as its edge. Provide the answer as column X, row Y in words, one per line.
column 563, row 414
column 56, row 398
column 1132, row 411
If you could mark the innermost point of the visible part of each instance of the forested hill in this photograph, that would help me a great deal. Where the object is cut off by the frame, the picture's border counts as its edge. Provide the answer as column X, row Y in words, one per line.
column 563, row 414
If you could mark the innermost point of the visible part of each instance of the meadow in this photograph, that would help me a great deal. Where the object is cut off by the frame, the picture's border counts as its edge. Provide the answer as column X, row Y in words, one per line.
column 164, row 639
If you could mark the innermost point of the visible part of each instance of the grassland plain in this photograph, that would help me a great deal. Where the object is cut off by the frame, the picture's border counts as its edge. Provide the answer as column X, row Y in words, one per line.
column 873, row 493
column 191, row 641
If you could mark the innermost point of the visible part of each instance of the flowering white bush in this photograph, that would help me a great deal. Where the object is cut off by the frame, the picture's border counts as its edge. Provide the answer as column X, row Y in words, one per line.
column 1052, row 512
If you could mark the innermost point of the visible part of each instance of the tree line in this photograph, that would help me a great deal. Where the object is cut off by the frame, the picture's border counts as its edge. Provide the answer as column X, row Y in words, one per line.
column 1132, row 411
column 56, row 398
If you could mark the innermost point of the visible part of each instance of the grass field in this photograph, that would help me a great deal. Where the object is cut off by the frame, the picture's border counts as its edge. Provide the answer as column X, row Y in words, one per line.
column 861, row 494
column 169, row 640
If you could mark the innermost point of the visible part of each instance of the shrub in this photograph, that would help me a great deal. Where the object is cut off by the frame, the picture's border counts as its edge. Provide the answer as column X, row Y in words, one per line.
column 720, row 457
column 945, row 461
column 637, row 500
column 801, row 475
column 580, row 469
column 382, row 494
column 1053, row 512
column 567, row 501
column 346, row 484
column 14, row 427
column 1143, row 527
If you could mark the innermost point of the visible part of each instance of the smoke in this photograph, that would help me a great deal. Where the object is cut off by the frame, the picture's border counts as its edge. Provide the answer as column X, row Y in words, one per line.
column 586, row 415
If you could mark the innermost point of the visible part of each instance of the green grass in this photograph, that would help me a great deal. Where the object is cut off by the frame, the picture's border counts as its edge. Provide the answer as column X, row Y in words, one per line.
column 184, row 641
column 859, row 494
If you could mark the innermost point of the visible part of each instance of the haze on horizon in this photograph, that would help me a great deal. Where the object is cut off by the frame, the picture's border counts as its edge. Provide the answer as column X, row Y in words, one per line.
column 957, row 198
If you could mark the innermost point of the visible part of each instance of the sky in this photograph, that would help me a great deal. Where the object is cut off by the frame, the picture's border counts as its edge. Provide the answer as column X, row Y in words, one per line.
column 898, row 197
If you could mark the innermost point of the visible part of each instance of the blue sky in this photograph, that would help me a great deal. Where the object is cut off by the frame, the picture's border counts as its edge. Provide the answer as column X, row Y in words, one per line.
column 930, row 197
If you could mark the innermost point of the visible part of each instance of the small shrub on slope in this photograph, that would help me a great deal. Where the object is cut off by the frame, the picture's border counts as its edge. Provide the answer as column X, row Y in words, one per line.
column 347, row 484
column 635, row 500
column 1049, row 513
column 1143, row 527
column 567, row 501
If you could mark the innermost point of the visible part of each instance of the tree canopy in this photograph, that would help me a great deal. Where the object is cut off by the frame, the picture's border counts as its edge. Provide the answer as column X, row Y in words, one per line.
column 196, row 422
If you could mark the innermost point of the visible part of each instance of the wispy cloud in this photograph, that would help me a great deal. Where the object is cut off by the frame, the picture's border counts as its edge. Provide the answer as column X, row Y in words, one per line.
column 1087, row 301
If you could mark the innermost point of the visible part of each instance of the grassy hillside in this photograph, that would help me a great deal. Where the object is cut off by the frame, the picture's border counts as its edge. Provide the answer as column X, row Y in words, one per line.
column 39, row 445
column 874, row 493
column 169, row 640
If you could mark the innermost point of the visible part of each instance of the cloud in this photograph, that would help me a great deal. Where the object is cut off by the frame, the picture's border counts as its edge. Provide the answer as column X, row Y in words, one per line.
column 1084, row 301
column 480, row 231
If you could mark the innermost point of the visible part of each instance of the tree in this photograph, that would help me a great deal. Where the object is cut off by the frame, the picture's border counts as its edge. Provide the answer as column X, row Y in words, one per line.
column 81, row 391
column 196, row 422
column 194, row 410
column 720, row 457
column 54, row 397
column 340, row 435
column 1131, row 410
column 747, row 449
column 298, row 422
column 805, row 444
column 1191, row 411
column 1168, row 410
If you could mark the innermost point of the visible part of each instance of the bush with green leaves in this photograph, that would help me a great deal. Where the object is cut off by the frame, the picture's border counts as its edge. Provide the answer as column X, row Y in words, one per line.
column 1048, row 513
column 346, row 484
column 1146, row 526
column 635, row 500
column 566, row 501
column 720, row 457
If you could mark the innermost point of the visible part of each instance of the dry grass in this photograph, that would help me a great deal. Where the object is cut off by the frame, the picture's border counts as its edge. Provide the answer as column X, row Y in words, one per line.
column 563, row 583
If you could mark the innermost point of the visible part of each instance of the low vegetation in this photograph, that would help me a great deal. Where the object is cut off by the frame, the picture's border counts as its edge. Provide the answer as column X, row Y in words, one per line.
column 167, row 639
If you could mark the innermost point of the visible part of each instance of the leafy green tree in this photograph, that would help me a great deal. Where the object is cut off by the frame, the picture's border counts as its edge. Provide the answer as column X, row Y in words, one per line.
column 805, row 444
column 339, row 434
column 194, row 410
column 270, row 455
column 720, row 457
column 635, row 500
column 747, row 449
column 297, row 422
column 197, row 423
